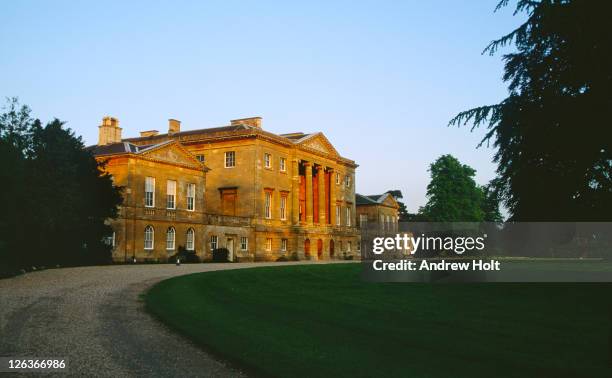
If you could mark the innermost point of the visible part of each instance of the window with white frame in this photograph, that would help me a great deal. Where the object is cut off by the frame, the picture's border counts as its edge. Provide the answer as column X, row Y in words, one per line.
column 244, row 243
column 337, row 178
column 213, row 242
column 170, row 238
column 110, row 240
column 284, row 245
column 283, row 207
column 200, row 158
column 149, row 235
column 190, row 242
column 267, row 160
column 268, row 244
column 282, row 164
column 230, row 159
column 348, row 216
column 347, row 180
column 363, row 220
column 191, row 189
column 171, row 194
column 382, row 222
column 149, row 191
column 338, row 215
column 349, row 245
column 268, row 205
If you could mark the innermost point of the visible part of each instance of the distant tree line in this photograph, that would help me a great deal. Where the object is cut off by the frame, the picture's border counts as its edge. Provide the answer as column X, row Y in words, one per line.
column 55, row 195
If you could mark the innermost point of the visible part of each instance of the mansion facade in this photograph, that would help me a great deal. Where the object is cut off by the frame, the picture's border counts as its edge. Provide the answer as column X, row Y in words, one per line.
column 378, row 216
column 260, row 195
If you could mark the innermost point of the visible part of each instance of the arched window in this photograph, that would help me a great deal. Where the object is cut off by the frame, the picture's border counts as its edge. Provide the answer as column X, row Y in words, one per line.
column 170, row 234
column 190, row 239
column 149, row 235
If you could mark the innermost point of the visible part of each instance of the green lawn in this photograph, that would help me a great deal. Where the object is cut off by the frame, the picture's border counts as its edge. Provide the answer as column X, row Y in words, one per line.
column 323, row 320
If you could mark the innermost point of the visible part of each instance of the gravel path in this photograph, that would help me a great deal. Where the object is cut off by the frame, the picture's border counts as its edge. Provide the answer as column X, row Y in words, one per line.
column 94, row 317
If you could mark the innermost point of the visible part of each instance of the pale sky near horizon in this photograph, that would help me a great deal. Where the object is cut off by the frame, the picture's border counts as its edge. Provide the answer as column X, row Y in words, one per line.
column 380, row 79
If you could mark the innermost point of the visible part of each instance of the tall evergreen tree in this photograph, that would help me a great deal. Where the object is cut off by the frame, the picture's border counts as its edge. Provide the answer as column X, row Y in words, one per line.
column 552, row 132
column 56, row 197
column 490, row 203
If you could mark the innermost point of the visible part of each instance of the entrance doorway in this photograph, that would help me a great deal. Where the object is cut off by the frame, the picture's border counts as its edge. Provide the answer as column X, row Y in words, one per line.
column 320, row 249
column 331, row 248
column 230, row 247
column 307, row 247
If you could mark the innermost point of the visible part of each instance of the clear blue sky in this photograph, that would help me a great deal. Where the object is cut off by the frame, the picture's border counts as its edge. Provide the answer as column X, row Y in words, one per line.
column 380, row 79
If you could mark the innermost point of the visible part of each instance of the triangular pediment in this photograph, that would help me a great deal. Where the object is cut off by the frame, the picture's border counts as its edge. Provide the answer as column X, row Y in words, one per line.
column 390, row 201
column 172, row 153
column 319, row 143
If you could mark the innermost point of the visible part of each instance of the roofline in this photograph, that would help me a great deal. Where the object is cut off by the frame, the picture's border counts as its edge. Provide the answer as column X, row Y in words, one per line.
column 245, row 133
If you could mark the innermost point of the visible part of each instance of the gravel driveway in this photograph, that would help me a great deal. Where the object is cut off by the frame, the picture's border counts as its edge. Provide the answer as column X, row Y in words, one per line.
column 93, row 316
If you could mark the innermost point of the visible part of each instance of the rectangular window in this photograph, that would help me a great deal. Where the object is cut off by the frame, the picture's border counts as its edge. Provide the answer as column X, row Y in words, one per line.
column 337, row 178
column 244, row 243
column 213, row 242
column 283, row 164
column 110, row 240
column 200, row 158
column 268, row 160
column 338, row 215
column 363, row 220
column 349, row 245
column 170, row 239
column 190, row 244
column 171, row 194
column 284, row 245
column 191, row 189
column 150, row 191
column 230, row 159
column 348, row 216
column 347, row 180
column 148, row 237
column 268, row 205
column 283, row 207
column 268, row 244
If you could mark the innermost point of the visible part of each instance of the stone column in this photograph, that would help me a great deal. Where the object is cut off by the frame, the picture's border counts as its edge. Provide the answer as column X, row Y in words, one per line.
column 321, row 178
column 295, row 196
column 332, row 196
column 309, row 212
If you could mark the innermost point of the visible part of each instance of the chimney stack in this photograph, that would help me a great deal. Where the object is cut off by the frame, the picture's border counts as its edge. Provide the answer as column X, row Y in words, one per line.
column 174, row 126
column 251, row 122
column 109, row 131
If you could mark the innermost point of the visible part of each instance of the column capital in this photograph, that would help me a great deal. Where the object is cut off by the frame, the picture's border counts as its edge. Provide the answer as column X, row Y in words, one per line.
column 330, row 169
column 307, row 163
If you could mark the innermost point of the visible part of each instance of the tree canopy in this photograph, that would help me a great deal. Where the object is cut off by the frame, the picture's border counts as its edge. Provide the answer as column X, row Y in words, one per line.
column 452, row 194
column 56, row 196
column 552, row 133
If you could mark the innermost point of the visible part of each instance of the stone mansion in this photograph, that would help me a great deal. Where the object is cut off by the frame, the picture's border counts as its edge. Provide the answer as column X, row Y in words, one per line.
column 258, row 194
